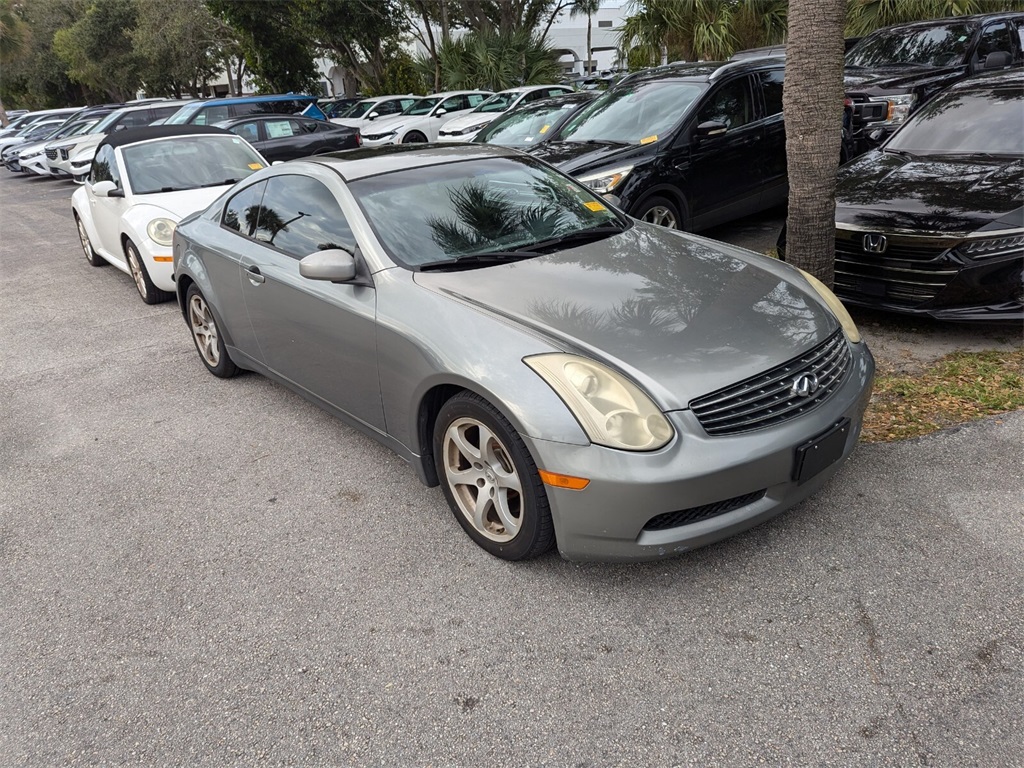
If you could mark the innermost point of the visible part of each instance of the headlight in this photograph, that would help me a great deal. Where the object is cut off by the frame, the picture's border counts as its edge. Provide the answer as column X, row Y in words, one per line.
column 899, row 107
column 833, row 302
column 471, row 128
column 606, row 181
column 992, row 246
column 379, row 136
column 612, row 410
column 29, row 155
column 161, row 231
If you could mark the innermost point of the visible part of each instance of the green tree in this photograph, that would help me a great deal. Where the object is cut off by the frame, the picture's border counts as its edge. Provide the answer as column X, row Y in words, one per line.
column 14, row 37
column 277, row 51
column 494, row 60
column 180, row 46
column 586, row 8
column 812, row 104
column 864, row 16
column 98, row 49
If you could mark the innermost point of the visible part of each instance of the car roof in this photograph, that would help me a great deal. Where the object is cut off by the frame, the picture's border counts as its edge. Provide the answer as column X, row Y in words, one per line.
column 446, row 94
column 702, row 71
column 1011, row 79
column 148, row 105
column 251, row 99
column 149, row 132
column 355, row 164
column 575, row 97
column 974, row 18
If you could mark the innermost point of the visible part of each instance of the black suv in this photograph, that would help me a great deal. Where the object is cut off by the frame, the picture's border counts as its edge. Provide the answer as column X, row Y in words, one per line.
column 893, row 71
column 687, row 147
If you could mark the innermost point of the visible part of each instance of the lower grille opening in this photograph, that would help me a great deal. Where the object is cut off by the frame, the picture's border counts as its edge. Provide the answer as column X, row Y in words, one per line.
column 705, row 512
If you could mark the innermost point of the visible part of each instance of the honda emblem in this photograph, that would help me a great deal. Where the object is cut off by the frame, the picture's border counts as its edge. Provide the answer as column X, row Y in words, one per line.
column 874, row 243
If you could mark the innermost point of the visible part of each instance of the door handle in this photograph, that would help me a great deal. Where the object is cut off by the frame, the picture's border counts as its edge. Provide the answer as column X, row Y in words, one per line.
column 255, row 276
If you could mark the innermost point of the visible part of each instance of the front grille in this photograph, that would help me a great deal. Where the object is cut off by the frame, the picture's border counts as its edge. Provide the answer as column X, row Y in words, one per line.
column 768, row 398
column 63, row 154
column 912, row 270
column 705, row 512
column 51, row 154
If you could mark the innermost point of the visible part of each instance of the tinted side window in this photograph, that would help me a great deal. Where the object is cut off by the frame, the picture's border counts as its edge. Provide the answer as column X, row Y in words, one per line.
column 135, row 119
column 104, row 168
column 730, row 105
column 248, row 131
column 453, row 103
column 771, row 92
column 300, row 216
column 159, row 112
column 995, row 37
column 242, row 211
column 387, row 108
column 212, row 114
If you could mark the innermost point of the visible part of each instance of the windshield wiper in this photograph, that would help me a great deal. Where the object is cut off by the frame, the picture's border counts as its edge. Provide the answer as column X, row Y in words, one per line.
column 582, row 235
column 479, row 260
column 219, row 183
column 900, row 153
column 599, row 141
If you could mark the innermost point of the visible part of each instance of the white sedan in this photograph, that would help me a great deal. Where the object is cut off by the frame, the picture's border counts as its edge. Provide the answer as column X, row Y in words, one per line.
column 422, row 120
column 141, row 184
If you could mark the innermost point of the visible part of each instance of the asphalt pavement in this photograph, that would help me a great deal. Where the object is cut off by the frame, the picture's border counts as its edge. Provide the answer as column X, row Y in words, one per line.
column 214, row 573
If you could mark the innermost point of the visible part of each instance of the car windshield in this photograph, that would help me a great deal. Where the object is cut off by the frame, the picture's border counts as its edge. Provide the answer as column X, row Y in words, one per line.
column 360, row 109
column 421, row 107
column 106, row 122
column 524, row 126
column 472, row 208
column 988, row 122
column 188, row 162
column 499, row 102
column 633, row 114
column 941, row 46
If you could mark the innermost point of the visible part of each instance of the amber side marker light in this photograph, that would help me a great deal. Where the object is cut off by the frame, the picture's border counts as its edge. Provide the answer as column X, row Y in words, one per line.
column 563, row 481
column 163, row 258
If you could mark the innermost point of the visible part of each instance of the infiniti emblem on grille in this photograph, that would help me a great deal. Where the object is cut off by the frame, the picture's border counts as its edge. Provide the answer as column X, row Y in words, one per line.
column 875, row 243
column 804, row 385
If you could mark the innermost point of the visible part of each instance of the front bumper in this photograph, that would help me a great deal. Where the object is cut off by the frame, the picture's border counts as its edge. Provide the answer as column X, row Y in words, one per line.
column 606, row 520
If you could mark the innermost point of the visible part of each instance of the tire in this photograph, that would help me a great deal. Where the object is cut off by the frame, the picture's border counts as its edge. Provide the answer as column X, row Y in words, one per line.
column 206, row 335
column 414, row 137
column 137, row 267
column 481, row 458
column 90, row 255
column 661, row 211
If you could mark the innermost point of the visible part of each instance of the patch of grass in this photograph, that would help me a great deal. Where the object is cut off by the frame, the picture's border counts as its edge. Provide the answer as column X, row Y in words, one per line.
column 957, row 388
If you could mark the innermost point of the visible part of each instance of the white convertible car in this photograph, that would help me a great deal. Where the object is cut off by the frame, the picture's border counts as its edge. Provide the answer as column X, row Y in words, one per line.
column 142, row 183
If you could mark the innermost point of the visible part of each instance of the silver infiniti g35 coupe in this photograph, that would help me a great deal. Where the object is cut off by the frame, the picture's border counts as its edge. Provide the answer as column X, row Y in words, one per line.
column 568, row 375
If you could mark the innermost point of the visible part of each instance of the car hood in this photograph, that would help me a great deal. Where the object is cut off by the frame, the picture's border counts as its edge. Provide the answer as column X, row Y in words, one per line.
column 351, row 122
column 575, row 157
column 897, row 78
column 473, row 118
column 681, row 315
column 380, row 125
column 178, row 205
column 928, row 193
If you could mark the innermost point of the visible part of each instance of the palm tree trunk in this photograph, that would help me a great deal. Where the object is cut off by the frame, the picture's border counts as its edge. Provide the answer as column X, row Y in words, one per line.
column 590, row 52
column 3, row 115
column 813, row 110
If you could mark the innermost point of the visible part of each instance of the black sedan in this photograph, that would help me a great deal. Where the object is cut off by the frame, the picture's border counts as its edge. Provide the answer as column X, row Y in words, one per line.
column 932, row 222
column 286, row 137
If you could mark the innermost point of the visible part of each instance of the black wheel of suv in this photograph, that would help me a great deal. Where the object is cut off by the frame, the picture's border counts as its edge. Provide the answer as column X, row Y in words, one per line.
column 661, row 211
column 490, row 480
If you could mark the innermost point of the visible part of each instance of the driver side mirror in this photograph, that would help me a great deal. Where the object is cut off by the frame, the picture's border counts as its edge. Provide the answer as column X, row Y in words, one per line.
column 440, row 111
column 334, row 264
column 106, row 188
column 711, row 128
column 373, row 116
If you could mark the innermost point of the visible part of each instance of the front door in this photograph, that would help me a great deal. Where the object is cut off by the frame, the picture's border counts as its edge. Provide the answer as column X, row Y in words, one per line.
column 318, row 335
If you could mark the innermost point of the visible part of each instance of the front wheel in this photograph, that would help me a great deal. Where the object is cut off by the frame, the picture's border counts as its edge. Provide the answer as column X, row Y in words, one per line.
column 206, row 335
column 90, row 255
column 661, row 211
column 414, row 137
column 147, row 290
column 490, row 480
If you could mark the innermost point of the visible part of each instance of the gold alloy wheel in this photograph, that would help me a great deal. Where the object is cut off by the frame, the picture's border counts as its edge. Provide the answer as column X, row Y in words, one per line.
column 84, row 237
column 204, row 330
column 483, row 480
column 135, row 266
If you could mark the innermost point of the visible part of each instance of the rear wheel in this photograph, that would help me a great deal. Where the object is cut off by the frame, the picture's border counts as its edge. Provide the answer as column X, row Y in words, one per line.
column 206, row 335
column 661, row 211
column 90, row 255
column 414, row 137
column 490, row 480
column 149, row 292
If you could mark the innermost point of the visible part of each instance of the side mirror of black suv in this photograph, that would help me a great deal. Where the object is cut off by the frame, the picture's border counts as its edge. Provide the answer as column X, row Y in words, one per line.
column 711, row 128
